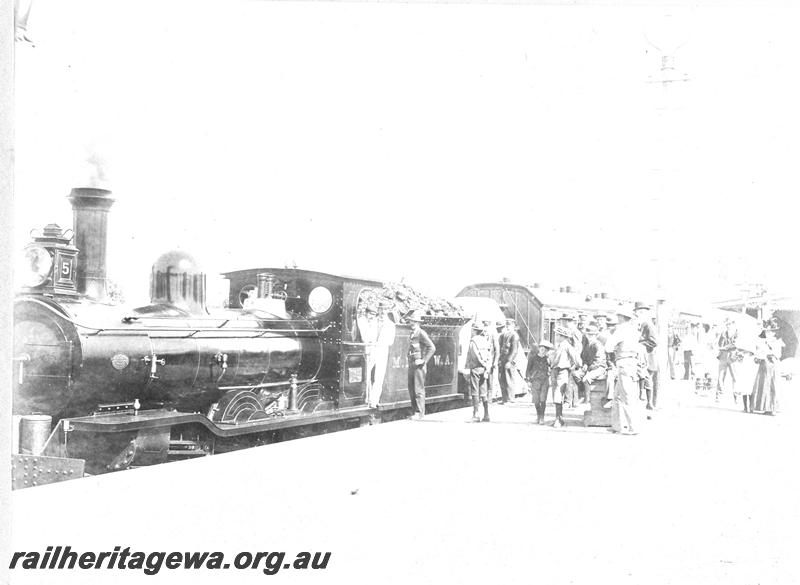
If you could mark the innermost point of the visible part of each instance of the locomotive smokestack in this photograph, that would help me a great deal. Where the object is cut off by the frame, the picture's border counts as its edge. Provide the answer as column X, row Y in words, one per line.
column 90, row 223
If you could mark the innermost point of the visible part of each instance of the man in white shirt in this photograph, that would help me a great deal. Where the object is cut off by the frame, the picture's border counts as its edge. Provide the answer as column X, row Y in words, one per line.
column 628, row 356
column 566, row 359
column 479, row 363
column 380, row 354
column 368, row 333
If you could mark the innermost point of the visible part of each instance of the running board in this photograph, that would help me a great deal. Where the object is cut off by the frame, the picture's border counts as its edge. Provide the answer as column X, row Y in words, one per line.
column 160, row 419
column 407, row 403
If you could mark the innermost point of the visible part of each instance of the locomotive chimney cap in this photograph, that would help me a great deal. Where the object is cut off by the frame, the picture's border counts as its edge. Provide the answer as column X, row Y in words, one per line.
column 91, row 197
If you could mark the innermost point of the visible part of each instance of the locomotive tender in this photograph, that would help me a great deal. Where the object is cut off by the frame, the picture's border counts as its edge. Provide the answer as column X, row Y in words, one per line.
column 174, row 379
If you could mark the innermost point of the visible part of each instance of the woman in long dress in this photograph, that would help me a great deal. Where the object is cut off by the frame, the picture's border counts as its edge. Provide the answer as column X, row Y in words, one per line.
column 765, row 388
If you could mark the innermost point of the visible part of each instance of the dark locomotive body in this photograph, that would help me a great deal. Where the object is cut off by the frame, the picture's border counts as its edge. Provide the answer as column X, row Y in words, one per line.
column 173, row 379
column 83, row 354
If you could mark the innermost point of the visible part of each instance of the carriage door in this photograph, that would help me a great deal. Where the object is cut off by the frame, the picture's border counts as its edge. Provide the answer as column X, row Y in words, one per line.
column 355, row 377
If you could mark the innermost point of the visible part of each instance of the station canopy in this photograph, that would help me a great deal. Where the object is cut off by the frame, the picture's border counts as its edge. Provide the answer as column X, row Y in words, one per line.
column 745, row 324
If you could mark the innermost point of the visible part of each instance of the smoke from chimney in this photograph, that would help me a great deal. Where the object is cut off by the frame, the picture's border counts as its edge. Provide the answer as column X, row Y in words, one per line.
column 94, row 169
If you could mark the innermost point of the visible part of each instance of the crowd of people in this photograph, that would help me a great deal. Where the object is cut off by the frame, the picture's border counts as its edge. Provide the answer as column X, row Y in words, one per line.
column 745, row 367
column 614, row 355
column 589, row 354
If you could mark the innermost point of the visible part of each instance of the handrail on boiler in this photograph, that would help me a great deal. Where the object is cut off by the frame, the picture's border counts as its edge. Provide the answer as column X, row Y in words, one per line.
column 261, row 331
column 268, row 384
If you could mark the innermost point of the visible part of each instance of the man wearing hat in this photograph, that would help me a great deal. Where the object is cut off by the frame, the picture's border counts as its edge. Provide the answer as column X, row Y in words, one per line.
column 595, row 364
column 420, row 350
column 569, row 322
column 690, row 345
column 648, row 339
column 601, row 320
column 565, row 361
column 538, row 376
column 575, row 337
column 491, row 332
column 507, row 367
column 612, row 322
column 628, row 356
column 479, row 363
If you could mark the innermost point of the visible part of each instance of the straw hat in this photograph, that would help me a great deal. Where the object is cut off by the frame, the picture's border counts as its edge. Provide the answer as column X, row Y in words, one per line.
column 414, row 316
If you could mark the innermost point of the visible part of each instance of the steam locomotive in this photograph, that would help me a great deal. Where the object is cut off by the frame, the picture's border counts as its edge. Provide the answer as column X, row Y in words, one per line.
column 174, row 379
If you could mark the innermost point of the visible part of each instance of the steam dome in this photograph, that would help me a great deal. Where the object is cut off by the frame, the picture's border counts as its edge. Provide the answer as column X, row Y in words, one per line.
column 177, row 279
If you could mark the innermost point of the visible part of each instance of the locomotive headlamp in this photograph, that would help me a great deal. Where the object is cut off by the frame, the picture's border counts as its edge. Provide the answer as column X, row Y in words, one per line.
column 320, row 299
column 36, row 266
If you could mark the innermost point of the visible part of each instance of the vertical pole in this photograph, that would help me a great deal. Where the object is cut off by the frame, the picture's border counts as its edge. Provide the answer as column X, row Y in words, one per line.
column 293, row 393
column 666, row 193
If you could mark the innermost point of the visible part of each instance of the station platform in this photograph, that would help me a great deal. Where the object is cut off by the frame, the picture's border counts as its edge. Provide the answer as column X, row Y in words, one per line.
column 707, row 494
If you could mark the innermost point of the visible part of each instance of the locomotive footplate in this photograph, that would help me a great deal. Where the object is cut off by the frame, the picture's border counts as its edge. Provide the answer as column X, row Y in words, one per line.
column 159, row 419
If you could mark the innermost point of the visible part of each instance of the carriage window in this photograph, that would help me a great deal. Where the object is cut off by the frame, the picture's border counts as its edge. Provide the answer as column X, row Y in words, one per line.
column 549, row 328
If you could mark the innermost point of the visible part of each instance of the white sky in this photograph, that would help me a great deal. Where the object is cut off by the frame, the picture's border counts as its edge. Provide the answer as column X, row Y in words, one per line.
column 446, row 144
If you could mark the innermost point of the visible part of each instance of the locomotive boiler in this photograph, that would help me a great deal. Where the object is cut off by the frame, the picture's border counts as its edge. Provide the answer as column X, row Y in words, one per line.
column 79, row 356
column 77, row 353
column 174, row 379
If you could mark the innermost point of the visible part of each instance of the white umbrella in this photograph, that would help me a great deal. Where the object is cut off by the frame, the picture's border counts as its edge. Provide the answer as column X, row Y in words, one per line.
column 480, row 308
